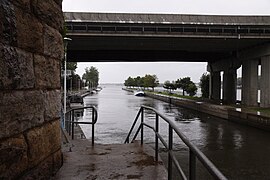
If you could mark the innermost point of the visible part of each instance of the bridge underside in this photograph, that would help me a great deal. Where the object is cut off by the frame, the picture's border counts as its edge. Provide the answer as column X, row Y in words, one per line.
column 225, row 42
column 112, row 48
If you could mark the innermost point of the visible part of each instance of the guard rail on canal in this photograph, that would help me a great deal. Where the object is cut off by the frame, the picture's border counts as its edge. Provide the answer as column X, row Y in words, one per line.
column 194, row 152
column 70, row 120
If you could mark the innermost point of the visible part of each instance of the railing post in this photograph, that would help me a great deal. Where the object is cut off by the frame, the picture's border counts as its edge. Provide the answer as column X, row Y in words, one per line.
column 68, row 123
column 142, row 126
column 156, row 140
column 93, row 127
column 169, row 155
column 72, row 125
column 192, row 165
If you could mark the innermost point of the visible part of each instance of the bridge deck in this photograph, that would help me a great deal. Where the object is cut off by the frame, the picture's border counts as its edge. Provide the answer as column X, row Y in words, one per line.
column 112, row 161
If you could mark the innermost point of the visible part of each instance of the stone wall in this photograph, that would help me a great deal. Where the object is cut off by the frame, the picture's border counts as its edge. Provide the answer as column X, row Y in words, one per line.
column 31, row 50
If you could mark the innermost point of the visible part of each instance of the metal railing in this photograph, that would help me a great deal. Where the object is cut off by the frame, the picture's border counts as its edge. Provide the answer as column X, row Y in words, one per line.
column 194, row 152
column 70, row 120
column 174, row 29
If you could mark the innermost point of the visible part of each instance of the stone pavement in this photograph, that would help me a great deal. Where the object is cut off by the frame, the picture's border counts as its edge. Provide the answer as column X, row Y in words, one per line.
column 109, row 161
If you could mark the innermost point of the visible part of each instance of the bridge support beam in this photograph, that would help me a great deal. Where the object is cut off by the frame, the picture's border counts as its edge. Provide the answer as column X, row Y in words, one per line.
column 229, row 86
column 215, row 86
column 265, row 82
column 250, row 82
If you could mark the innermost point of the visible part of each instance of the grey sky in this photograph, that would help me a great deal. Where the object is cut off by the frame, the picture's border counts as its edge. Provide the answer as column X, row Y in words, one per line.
column 258, row 7
column 118, row 72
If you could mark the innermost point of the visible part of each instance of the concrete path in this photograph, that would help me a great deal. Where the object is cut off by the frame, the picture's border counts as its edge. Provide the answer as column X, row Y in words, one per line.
column 112, row 161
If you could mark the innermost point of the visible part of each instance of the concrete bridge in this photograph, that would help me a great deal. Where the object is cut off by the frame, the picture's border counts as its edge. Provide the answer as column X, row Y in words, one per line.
column 225, row 42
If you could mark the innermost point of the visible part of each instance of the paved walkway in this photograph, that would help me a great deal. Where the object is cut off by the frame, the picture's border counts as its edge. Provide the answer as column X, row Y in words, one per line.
column 112, row 161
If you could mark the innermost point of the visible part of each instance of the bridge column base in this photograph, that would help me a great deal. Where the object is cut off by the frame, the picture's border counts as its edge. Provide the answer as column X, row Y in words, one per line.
column 250, row 82
column 265, row 82
column 229, row 86
column 215, row 86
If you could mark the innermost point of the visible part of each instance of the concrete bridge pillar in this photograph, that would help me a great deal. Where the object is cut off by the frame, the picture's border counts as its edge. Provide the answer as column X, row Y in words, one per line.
column 265, row 82
column 229, row 86
column 215, row 85
column 250, row 82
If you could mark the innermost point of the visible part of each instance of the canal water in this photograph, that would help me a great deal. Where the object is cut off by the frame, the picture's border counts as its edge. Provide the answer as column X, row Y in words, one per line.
column 240, row 152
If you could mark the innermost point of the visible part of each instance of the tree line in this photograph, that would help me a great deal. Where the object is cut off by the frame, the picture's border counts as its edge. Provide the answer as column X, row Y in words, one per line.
column 90, row 78
column 148, row 81
column 186, row 84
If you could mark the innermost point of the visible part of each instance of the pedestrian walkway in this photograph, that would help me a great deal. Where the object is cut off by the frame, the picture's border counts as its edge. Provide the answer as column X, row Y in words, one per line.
column 110, row 161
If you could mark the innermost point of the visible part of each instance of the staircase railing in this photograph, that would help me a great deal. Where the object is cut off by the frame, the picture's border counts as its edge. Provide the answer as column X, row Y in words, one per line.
column 194, row 152
column 70, row 120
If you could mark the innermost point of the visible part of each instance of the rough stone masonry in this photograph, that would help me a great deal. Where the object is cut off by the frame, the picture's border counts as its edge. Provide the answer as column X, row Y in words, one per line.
column 31, row 50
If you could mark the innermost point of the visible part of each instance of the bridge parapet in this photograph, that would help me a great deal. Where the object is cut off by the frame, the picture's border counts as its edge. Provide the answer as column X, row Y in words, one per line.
column 172, row 25
column 167, row 19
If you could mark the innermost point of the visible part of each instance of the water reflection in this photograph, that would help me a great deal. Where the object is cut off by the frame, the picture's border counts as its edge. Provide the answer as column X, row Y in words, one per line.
column 240, row 152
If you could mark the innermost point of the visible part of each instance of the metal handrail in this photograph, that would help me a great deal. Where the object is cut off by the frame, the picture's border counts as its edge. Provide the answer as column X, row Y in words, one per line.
column 194, row 152
column 231, row 31
column 70, row 123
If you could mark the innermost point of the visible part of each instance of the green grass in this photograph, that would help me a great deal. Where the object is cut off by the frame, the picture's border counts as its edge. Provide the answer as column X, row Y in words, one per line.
column 263, row 111
column 177, row 95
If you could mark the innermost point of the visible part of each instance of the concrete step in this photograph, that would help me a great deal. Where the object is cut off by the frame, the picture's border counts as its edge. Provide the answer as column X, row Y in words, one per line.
column 109, row 161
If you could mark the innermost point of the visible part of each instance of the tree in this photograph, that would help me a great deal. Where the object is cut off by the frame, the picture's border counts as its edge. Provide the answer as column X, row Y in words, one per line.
column 186, row 85
column 150, row 81
column 72, row 66
column 91, row 76
column 204, row 84
column 170, row 85
column 191, row 89
column 130, row 82
column 139, row 81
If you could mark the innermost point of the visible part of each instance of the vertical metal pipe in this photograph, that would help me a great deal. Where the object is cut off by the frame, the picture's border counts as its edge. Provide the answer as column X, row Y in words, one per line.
column 66, row 40
column 69, row 123
column 170, row 149
column 142, row 126
column 93, row 127
column 156, row 139
column 72, row 124
column 192, row 165
column 65, row 84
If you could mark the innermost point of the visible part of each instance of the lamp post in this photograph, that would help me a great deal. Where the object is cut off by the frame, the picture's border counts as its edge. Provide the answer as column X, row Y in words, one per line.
column 66, row 40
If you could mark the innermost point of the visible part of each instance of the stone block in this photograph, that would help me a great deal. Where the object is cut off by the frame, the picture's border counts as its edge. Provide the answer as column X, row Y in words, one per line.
column 8, row 29
column 43, row 142
column 57, row 161
column 1, row 23
column 42, row 171
column 58, row 2
column 52, row 105
column 49, row 12
column 53, row 43
column 23, row 4
column 47, row 72
column 13, row 157
column 16, row 69
column 29, row 32
column 20, row 111
column 46, row 169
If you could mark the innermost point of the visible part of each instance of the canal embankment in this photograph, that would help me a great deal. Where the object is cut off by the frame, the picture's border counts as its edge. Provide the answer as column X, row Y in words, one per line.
column 238, row 115
column 235, row 114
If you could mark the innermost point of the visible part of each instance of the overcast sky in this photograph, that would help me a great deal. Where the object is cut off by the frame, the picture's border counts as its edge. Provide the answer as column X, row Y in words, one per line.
column 118, row 72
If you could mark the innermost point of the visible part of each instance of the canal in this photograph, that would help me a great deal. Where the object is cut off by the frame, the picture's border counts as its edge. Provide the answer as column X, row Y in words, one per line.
column 240, row 152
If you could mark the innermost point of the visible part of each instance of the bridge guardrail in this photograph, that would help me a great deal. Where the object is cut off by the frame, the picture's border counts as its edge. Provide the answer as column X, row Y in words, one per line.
column 171, row 29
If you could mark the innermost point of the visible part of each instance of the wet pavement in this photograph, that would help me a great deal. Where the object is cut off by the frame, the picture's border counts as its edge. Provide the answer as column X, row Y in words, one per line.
column 109, row 161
